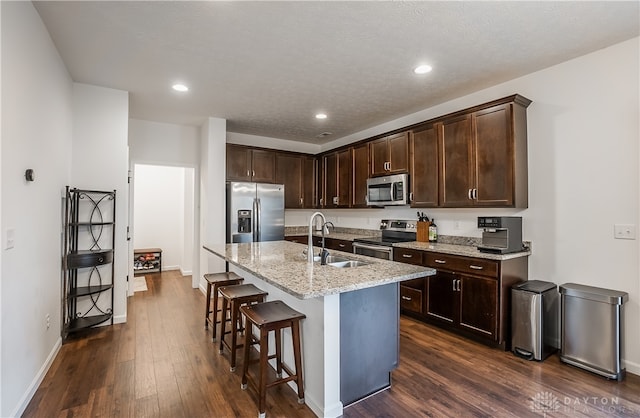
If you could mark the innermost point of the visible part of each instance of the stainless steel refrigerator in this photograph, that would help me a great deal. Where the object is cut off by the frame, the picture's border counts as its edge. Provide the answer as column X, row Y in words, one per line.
column 255, row 212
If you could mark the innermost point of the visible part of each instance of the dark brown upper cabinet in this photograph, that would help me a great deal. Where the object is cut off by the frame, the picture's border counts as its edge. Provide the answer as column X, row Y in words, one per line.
column 483, row 157
column 289, row 172
column 360, row 170
column 298, row 173
column 423, row 181
column 309, row 182
column 337, row 179
column 250, row 164
column 390, row 155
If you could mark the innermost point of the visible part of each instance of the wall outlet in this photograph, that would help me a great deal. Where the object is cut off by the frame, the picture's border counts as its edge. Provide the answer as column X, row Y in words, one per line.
column 47, row 319
column 624, row 231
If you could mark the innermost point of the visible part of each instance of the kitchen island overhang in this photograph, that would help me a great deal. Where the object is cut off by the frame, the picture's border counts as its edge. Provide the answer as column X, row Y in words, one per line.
column 350, row 338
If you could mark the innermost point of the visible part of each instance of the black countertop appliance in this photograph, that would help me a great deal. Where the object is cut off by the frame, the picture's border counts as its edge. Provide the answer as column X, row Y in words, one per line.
column 500, row 234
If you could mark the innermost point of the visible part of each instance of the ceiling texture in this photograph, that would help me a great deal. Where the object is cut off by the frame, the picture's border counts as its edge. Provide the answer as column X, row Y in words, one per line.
column 269, row 67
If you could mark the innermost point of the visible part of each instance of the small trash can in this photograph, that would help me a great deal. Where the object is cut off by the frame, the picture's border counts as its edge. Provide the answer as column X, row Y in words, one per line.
column 592, row 329
column 534, row 319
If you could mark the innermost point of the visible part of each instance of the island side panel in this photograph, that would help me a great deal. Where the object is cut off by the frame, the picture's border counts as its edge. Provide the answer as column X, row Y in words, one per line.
column 369, row 340
column 320, row 338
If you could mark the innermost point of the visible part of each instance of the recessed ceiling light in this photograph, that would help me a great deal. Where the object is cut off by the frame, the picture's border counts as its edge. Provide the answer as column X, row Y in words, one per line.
column 422, row 69
column 180, row 87
column 321, row 116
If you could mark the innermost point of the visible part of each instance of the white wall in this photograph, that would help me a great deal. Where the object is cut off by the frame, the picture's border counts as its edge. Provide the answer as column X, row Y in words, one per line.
column 37, row 127
column 100, row 162
column 159, row 211
column 212, row 229
column 170, row 145
column 583, row 130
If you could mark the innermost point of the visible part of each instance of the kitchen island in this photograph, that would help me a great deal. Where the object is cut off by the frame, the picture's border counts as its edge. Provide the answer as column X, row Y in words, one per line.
column 350, row 337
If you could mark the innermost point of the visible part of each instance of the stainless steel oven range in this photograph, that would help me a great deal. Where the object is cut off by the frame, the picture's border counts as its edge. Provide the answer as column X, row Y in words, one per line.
column 393, row 231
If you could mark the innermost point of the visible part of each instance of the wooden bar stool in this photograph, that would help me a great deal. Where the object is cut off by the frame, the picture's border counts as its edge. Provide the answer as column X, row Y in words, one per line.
column 271, row 316
column 232, row 298
column 214, row 282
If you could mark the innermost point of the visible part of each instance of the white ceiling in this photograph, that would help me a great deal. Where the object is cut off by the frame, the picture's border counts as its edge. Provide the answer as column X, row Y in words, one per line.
column 268, row 67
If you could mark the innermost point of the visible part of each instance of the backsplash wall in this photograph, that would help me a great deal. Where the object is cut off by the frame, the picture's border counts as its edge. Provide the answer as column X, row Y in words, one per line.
column 458, row 222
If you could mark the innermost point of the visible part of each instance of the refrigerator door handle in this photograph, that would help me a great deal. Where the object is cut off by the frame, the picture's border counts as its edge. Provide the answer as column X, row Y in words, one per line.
column 258, row 219
column 254, row 220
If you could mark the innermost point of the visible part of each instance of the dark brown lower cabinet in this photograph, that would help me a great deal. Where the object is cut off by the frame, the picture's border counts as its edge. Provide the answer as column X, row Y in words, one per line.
column 467, row 302
column 467, row 295
column 442, row 300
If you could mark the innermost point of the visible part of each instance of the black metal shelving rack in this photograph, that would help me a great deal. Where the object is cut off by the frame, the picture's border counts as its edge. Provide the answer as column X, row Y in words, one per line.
column 87, row 263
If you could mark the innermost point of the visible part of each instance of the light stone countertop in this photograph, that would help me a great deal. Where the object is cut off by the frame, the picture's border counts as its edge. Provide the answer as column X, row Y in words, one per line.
column 463, row 250
column 282, row 264
column 464, row 246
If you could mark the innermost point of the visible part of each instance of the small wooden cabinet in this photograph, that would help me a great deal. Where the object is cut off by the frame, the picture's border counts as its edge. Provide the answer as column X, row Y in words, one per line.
column 390, row 155
column 250, row 164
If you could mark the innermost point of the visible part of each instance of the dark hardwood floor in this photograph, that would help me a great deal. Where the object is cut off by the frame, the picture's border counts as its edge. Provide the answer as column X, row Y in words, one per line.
column 162, row 363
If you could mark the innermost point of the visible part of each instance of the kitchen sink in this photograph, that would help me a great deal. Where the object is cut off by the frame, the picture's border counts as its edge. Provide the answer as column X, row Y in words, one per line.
column 348, row 263
column 343, row 262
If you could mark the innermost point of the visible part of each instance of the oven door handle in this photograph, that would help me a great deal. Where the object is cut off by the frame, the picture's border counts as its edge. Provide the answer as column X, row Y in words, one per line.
column 372, row 247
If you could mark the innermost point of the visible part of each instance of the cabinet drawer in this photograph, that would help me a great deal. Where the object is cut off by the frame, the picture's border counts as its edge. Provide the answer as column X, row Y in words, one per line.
column 86, row 258
column 339, row 245
column 407, row 255
column 461, row 264
column 411, row 299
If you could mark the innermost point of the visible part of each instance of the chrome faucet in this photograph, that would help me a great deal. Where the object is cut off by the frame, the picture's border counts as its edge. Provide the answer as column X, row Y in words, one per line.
column 323, row 252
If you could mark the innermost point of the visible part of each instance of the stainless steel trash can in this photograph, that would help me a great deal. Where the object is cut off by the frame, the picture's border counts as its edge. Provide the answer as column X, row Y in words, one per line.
column 534, row 319
column 592, row 329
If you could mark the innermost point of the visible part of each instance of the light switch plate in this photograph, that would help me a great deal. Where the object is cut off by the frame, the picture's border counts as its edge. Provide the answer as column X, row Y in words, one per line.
column 624, row 231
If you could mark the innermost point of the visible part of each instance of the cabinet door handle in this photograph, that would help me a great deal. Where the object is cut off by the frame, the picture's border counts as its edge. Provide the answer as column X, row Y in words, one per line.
column 458, row 286
column 474, row 267
column 411, row 197
column 440, row 261
column 406, row 298
column 469, row 194
column 341, row 245
column 453, row 285
column 301, row 201
column 407, row 255
column 475, row 194
column 253, row 173
column 248, row 173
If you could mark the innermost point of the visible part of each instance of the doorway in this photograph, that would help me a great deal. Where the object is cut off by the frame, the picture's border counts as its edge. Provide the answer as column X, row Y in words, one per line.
column 163, row 214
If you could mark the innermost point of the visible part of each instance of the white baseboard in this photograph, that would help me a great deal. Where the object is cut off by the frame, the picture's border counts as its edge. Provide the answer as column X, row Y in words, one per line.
column 632, row 367
column 31, row 390
column 186, row 272
column 120, row 319
column 167, row 268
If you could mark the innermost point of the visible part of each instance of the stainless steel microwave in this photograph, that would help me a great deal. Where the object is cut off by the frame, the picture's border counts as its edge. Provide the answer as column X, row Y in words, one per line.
column 388, row 190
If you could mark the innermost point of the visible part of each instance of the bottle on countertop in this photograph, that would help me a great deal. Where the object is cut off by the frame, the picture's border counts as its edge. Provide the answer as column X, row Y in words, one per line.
column 433, row 231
